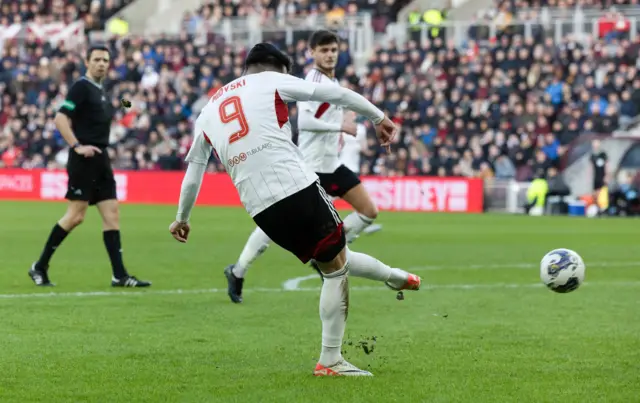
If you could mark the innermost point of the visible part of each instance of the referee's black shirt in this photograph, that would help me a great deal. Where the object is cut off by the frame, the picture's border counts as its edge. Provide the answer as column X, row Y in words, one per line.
column 90, row 111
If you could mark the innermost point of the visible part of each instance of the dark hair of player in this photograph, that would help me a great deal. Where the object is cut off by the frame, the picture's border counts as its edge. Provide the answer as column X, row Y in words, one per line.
column 93, row 48
column 323, row 37
column 266, row 54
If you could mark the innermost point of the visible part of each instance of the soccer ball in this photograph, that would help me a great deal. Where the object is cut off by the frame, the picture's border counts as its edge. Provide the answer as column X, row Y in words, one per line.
column 562, row 270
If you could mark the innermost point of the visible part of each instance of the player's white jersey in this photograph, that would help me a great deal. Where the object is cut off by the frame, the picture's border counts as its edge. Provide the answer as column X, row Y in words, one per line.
column 247, row 124
column 320, row 149
column 352, row 148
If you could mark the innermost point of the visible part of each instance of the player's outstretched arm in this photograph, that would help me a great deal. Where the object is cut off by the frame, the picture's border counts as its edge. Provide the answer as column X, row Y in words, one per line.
column 188, row 194
column 349, row 99
column 294, row 89
column 385, row 128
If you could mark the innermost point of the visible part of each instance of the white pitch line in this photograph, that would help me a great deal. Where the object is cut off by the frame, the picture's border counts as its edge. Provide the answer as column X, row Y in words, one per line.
column 294, row 283
column 142, row 293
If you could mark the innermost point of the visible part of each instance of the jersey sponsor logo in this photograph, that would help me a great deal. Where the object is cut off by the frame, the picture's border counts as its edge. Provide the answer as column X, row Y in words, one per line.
column 240, row 158
column 229, row 87
column 237, row 159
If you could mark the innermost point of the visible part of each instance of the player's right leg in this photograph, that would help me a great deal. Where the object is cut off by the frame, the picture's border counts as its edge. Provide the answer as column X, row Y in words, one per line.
column 314, row 230
column 257, row 243
column 317, row 233
column 76, row 211
column 334, row 303
column 334, row 309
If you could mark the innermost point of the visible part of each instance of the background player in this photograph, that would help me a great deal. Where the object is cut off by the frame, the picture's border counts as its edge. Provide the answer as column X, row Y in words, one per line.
column 321, row 125
column 84, row 120
column 247, row 124
column 349, row 154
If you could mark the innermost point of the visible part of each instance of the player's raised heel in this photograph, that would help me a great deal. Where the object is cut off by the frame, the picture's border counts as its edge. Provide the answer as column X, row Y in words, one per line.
column 342, row 368
column 412, row 283
column 234, row 285
column 39, row 277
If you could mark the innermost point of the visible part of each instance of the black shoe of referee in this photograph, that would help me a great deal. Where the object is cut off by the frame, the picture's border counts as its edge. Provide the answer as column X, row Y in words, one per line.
column 315, row 267
column 129, row 281
column 40, row 277
column 234, row 285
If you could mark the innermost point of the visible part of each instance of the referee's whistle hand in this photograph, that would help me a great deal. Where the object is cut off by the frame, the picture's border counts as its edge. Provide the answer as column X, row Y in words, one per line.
column 88, row 151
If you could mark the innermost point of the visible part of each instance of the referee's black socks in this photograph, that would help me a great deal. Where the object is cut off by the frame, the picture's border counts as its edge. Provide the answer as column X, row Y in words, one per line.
column 58, row 234
column 114, row 249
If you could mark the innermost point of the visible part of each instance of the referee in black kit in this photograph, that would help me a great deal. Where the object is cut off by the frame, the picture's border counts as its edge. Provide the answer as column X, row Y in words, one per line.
column 84, row 120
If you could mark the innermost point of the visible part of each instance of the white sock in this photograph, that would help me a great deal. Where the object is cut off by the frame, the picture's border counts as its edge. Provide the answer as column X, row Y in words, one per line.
column 334, row 308
column 354, row 224
column 361, row 265
column 257, row 243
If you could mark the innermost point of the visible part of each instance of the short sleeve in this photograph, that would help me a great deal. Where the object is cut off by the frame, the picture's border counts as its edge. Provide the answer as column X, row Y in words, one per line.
column 74, row 99
column 201, row 149
column 294, row 89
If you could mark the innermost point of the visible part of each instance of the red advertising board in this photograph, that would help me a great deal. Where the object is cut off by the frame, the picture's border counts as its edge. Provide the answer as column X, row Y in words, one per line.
column 163, row 187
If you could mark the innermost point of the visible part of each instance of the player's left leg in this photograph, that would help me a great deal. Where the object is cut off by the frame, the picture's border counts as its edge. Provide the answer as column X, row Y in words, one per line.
column 363, row 216
column 110, row 213
column 371, row 229
column 257, row 243
column 365, row 266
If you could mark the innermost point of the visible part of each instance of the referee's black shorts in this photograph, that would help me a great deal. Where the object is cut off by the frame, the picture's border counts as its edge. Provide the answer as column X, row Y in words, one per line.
column 91, row 179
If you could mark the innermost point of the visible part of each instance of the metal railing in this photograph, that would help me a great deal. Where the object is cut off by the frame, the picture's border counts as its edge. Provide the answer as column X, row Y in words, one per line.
column 581, row 29
column 587, row 12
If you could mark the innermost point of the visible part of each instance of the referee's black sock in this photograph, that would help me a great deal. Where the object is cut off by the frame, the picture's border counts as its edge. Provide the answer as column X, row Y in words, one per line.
column 58, row 234
column 114, row 249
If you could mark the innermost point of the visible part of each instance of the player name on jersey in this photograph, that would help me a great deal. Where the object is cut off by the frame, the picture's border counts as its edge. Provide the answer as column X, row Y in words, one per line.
column 229, row 87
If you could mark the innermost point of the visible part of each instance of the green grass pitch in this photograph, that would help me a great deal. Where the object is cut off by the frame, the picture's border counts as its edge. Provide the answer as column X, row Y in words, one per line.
column 483, row 329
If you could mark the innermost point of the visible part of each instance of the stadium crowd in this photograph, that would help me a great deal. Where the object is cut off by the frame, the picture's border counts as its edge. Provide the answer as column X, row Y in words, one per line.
column 94, row 13
column 505, row 108
column 279, row 9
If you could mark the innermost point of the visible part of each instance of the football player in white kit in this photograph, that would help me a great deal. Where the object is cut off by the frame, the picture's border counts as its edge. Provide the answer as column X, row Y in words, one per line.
column 247, row 124
column 350, row 152
column 321, row 125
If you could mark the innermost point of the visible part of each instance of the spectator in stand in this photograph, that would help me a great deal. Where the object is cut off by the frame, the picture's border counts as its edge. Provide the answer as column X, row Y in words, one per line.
column 95, row 13
column 504, row 108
